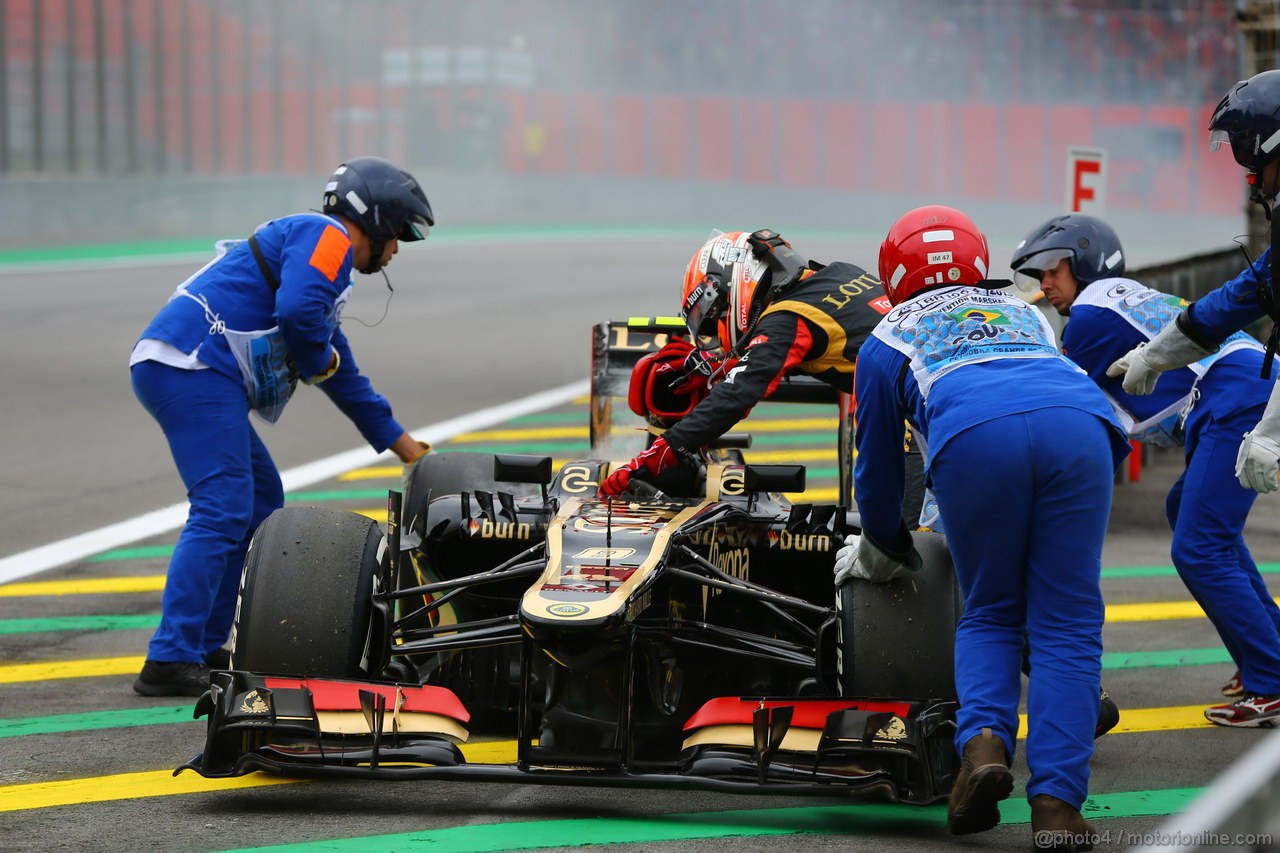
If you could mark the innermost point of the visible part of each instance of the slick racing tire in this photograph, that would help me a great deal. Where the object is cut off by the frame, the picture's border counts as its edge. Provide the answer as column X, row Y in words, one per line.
column 897, row 639
column 306, row 594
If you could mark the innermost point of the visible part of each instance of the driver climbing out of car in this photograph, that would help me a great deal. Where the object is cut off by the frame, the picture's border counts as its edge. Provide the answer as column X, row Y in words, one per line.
column 1013, row 428
column 773, row 313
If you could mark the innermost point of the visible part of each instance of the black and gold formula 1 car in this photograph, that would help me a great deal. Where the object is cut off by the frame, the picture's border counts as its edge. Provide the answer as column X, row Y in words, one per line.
column 509, row 625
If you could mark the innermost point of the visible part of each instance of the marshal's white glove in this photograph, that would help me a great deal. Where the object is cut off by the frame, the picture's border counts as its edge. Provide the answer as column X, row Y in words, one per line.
column 1141, row 366
column 860, row 558
column 1258, row 461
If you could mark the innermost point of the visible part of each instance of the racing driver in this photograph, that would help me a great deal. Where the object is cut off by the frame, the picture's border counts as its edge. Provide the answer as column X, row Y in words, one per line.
column 774, row 313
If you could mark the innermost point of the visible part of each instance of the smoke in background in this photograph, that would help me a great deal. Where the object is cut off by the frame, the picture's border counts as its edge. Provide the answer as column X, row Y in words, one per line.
column 831, row 114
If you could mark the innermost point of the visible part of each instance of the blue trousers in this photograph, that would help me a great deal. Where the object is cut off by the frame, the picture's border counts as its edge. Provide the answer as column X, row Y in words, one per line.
column 232, row 485
column 1026, row 500
column 1207, row 508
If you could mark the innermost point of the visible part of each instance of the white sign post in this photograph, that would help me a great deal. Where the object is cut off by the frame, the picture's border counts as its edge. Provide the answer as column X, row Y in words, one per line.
column 1087, row 180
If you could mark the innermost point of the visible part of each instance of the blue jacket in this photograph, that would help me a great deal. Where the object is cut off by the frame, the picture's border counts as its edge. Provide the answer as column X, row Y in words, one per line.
column 1234, row 305
column 1112, row 316
column 310, row 257
column 983, row 355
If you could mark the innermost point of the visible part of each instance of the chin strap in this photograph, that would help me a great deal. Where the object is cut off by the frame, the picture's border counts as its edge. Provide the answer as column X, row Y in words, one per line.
column 376, row 247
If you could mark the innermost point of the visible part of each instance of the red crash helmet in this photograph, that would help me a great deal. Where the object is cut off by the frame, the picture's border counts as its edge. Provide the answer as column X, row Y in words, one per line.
column 720, row 287
column 930, row 246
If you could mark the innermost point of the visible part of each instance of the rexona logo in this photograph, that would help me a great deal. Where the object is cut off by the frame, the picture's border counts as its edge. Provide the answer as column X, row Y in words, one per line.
column 487, row 529
column 567, row 609
column 735, row 562
column 784, row 540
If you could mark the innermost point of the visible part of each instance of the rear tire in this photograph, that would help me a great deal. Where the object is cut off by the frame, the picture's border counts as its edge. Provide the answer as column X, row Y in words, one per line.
column 306, row 594
column 897, row 639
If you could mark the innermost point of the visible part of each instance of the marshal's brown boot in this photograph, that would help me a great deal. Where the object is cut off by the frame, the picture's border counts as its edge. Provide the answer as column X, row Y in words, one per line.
column 984, row 780
column 1057, row 825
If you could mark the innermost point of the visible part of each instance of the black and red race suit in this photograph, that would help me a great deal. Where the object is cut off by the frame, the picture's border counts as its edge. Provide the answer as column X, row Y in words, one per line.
column 816, row 327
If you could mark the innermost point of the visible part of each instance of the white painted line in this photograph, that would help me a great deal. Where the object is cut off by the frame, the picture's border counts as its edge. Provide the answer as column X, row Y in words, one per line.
column 152, row 523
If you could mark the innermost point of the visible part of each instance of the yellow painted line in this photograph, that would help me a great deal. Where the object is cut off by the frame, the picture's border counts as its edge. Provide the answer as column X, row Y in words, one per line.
column 123, row 786
column 762, row 457
column 1155, row 611
column 162, row 783
column 377, row 514
column 527, row 434
column 532, row 434
column 1135, row 720
column 796, row 424
column 1163, row 719
column 396, row 472
column 18, row 673
column 85, row 586
column 815, row 496
column 375, row 472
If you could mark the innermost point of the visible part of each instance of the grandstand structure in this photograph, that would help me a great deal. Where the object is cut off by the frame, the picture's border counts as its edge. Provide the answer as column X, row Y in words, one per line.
column 842, row 109
column 972, row 99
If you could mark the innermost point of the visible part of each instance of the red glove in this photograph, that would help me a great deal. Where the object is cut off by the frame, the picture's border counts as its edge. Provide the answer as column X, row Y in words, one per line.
column 658, row 458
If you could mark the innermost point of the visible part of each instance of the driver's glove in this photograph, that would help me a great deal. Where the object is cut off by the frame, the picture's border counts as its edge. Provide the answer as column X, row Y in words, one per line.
column 658, row 458
column 1258, row 461
column 1141, row 366
column 860, row 558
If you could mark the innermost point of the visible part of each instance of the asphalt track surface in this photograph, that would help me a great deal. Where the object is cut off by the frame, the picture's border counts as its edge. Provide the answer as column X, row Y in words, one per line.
column 85, row 764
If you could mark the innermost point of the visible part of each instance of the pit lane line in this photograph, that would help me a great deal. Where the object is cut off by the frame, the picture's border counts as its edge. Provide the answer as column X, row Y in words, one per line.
column 159, row 521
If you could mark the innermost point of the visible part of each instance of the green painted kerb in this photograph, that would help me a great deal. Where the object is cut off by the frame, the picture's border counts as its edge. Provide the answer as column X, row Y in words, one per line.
column 857, row 820
column 58, row 723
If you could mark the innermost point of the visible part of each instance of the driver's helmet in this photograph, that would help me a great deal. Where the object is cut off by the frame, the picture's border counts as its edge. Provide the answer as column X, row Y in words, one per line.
column 383, row 199
column 721, row 284
column 1248, row 117
column 1089, row 245
column 931, row 246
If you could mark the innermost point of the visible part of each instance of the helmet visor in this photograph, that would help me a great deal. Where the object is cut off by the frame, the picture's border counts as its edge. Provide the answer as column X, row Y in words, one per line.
column 703, row 307
column 415, row 227
column 1217, row 138
column 1030, row 272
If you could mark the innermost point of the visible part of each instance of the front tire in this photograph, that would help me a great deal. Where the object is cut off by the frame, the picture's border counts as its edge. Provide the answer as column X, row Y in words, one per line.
column 305, row 603
column 897, row 639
